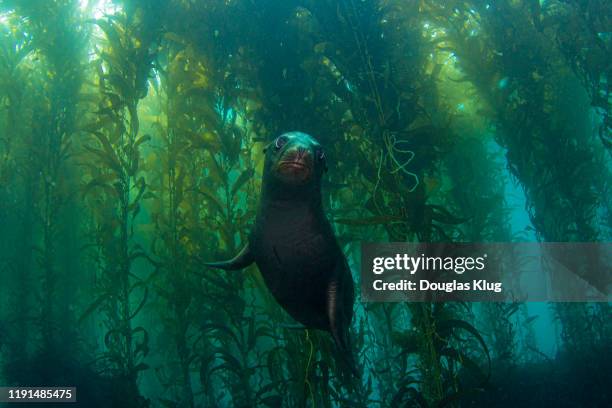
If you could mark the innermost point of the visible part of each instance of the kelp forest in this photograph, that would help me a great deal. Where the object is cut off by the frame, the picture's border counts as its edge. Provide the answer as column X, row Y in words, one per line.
column 131, row 151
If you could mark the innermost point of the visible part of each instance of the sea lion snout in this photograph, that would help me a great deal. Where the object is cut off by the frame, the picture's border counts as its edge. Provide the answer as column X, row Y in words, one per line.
column 296, row 163
column 296, row 158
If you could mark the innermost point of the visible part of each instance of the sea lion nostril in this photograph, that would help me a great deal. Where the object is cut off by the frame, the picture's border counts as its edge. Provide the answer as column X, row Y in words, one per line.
column 296, row 154
column 302, row 153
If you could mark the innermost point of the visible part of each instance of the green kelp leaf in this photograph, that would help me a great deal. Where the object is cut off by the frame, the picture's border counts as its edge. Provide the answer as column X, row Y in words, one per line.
column 93, row 307
column 275, row 361
column 450, row 324
column 225, row 366
column 137, row 252
column 251, row 338
column 120, row 84
column 111, row 156
column 170, row 36
column 408, row 341
column 263, row 331
column 231, row 141
column 214, row 279
column 65, row 149
column 320, row 47
column 243, row 178
column 367, row 169
column 511, row 309
column 466, row 361
column 267, row 388
column 24, row 51
column 217, row 170
column 370, row 205
column 442, row 215
column 141, row 304
column 141, row 347
column 275, row 400
column 469, row 364
column 206, row 140
column 409, row 396
column 376, row 220
column 116, row 102
column 212, row 199
column 112, row 336
column 272, row 401
column 205, row 112
column 230, row 360
column 168, row 403
column 409, row 381
column 134, row 162
column 97, row 125
column 205, row 365
column 178, row 185
column 453, row 397
column 104, row 182
column 109, row 29
column 141, row 185
column 142, row 139
column 223, row 329
column 442, row 311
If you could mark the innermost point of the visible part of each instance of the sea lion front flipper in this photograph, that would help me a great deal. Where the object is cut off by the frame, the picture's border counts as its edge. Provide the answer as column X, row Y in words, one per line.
column 242, row 260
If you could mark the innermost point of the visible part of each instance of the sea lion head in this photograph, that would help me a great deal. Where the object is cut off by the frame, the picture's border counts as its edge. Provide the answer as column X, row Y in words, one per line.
column 294, row 159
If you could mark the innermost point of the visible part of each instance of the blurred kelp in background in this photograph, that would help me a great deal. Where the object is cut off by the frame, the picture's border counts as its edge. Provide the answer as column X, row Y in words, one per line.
column 131, row 150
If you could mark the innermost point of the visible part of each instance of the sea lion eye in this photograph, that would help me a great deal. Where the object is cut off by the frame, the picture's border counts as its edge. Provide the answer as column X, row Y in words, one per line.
column 280, row 142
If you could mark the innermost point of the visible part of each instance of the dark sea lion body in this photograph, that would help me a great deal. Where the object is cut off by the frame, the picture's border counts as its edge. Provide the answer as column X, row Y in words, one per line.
column 299, row 258
column 293, row 243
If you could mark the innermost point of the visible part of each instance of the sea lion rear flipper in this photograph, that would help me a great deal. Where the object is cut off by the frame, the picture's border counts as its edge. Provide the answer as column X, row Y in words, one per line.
column 242, row 260
column 339, row 321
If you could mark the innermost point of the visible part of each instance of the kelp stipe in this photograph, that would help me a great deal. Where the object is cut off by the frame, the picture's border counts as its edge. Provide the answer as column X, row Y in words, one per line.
column 115, row 188
column 38, row 149
column 17, row 187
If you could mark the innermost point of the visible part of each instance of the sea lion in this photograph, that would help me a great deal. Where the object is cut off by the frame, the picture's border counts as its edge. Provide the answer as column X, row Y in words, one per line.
column 293, row 243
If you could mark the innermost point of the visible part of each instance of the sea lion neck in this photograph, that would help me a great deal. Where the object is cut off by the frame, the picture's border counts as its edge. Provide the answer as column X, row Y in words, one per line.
column 278, row 196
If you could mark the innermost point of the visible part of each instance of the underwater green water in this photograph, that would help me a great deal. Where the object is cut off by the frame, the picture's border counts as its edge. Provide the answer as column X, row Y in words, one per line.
column 132, row 138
